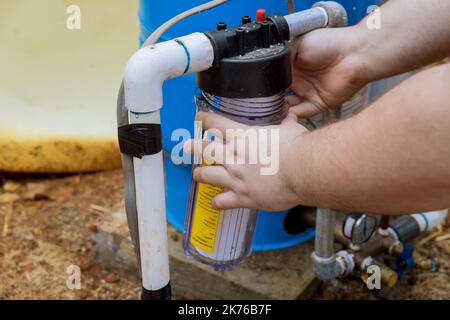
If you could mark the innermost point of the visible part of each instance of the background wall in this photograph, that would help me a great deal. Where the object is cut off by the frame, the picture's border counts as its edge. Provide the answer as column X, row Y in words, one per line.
column 58, row 87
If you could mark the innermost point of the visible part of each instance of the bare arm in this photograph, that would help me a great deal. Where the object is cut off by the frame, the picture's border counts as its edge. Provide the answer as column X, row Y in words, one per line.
column 393, row 156
column 412, row 34
column 330, row 65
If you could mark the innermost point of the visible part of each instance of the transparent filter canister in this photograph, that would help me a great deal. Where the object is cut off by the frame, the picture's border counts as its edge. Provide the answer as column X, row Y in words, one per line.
column 223, row 238
column 246, row 83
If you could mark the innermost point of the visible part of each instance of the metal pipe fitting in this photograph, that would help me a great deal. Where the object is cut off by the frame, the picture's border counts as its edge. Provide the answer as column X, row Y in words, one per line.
column 324, row 259
column 324, row 245
column 346, row 262
column 337, row 15
column 388, row 276
column 324, row 14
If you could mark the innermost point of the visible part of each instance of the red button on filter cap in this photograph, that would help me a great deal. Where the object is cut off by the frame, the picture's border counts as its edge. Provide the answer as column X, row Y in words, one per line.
column 260, row 15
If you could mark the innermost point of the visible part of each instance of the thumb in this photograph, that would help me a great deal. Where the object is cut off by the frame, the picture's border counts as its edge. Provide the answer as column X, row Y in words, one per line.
column 290, row 118
column 305, row 110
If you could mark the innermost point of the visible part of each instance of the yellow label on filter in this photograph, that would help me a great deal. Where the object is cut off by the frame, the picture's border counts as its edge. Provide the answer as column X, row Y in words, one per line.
column 206, row 219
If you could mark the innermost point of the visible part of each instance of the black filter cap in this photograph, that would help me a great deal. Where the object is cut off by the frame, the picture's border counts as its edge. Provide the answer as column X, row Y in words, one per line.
column 251, row 60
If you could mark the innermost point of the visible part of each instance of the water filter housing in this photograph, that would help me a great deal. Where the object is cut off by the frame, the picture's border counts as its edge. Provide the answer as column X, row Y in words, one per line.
column 247, row 84
column 222, row 239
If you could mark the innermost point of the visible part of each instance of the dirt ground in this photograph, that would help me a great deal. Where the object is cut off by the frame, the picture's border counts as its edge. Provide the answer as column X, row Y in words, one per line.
column 47, row 223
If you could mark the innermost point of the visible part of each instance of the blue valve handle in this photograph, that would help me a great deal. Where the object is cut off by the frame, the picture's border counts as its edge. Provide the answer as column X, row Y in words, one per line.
column 405, row 261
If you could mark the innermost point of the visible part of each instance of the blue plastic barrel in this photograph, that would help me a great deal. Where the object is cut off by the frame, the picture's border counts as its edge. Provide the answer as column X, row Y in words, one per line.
column 179, row 108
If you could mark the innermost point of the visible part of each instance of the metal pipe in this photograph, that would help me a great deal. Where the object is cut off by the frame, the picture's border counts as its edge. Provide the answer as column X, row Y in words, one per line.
column 384, row 225
column 324, row 258
column 384, row 222
column 401, row 230
column 324, row 14
column 324, row 245
column 305, row 21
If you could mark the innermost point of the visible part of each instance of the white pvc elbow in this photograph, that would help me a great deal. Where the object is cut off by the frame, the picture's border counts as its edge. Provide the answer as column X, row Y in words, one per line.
column 149, row 67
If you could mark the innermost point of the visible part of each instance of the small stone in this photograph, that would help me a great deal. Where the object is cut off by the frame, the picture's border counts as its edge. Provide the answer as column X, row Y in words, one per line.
column 85, row 263
column 174, row 237
column 36, row 192
column 31, row 244
column 28, row 236
column 119, row 216
column 8, row 197
column 93, row 227
column 111, row 278
column 11, row 186
column 82, row 295
column 35, row 196
column 96, row 269
column 2, row 249
column 51, row 237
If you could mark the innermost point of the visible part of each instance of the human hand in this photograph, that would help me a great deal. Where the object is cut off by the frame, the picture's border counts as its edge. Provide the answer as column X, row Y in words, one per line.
column 327, row 70
column 247, row 184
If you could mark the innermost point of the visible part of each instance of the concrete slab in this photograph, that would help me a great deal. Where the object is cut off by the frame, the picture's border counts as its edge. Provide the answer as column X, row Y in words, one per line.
column 285, row 274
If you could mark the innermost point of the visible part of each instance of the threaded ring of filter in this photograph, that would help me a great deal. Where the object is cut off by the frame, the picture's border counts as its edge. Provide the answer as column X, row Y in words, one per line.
column 251, row 111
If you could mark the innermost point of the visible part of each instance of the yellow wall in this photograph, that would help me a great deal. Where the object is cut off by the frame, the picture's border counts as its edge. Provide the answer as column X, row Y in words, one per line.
column 58, row 87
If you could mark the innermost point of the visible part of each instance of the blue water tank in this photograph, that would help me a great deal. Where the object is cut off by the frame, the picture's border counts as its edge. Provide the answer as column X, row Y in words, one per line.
column 272, row 231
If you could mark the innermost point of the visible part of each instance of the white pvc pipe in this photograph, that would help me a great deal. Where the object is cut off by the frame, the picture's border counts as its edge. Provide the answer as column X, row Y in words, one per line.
column 149, row 67
column 151, row 208
column 430, row 220
column 144, row 76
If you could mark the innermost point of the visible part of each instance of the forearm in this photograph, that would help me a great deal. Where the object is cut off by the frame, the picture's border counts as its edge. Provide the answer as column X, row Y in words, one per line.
column 392, row 157
column 412, row 34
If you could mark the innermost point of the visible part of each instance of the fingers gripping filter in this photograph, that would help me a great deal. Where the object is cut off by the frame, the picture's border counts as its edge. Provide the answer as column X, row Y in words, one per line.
column 222, row 239
column 247, row 83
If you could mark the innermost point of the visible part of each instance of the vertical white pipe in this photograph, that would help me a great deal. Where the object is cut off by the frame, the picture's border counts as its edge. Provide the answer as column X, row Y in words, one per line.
column 151, row 208
column 145, row 73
